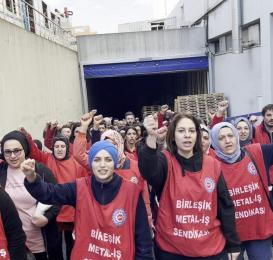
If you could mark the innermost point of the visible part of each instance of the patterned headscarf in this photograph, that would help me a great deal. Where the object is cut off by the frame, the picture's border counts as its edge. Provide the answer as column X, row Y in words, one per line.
column 118, row 141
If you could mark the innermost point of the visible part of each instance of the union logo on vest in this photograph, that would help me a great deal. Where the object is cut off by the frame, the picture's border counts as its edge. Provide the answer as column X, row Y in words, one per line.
column 209, row 184
column 119, row 217
column 3, row 253
column 134, row 179
column 251, row 168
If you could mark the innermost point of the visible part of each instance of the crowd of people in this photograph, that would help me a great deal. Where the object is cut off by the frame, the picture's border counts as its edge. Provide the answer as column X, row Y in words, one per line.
column 170, row 187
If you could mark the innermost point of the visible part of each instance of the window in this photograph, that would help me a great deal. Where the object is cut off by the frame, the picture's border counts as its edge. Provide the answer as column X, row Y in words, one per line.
column 11, row 6
column 31, row 17
column 155, row 26
column 228, row 42
column 251, row 35
column 216, row 46
column 45, row 14
column 222, row 44
column 52, row 17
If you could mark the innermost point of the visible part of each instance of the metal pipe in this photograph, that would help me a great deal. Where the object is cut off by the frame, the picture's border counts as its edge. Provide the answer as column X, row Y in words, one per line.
column 236, row 26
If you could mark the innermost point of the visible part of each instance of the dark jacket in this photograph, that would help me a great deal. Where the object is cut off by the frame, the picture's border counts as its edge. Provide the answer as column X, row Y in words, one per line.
column 50, row 231
column 15, row 235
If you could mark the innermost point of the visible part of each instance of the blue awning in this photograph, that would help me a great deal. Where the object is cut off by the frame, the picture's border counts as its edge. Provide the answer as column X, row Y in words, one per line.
column 145, row 67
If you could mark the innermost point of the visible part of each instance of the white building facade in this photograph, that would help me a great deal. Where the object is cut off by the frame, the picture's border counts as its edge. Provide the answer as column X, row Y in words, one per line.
column 39, row 18
column 239, row 46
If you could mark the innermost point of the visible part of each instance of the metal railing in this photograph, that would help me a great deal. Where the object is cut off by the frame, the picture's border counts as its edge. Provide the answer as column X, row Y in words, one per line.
column 23, row 14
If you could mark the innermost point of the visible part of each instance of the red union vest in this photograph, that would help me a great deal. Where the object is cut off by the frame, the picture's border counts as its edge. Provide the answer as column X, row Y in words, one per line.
column 254, row 217
column 4, row 254
column 132, row 174
column 187, row 221
column 261, row 136
column 105, row 231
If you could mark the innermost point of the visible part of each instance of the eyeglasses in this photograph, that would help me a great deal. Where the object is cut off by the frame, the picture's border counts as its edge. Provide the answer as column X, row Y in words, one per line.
column 16, row 152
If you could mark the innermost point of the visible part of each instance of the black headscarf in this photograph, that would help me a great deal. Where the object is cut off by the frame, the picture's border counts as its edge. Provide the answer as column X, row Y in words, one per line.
column 66, row 141
column 18, row 136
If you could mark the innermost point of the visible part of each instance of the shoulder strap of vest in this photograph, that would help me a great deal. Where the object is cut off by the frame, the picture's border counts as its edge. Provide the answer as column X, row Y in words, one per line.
column 269, row 187
column 169, row 156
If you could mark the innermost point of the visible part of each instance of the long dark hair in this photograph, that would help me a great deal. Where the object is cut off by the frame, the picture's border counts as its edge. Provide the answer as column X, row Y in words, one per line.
column 131, row 127
column 73, row 128
column 171, row 145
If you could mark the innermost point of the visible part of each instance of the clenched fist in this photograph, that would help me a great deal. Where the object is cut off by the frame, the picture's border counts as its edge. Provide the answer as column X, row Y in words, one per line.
column 28, row 168
column 222, row 107
column 151, row 124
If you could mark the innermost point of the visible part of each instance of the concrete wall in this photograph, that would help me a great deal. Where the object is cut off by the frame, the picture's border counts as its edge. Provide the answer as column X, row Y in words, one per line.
column 240, row 79
column 246, row 78
column 220, row 21
column 136, row 46
column 39, row 81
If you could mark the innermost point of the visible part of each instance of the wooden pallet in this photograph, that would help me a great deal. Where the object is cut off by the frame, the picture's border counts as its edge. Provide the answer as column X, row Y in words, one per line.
column 198, row 105
column 149, row 110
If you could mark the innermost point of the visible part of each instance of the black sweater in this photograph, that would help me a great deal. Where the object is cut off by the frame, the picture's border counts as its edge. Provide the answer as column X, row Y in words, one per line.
column 65, row 194
column 15, row 235
column 154, row 168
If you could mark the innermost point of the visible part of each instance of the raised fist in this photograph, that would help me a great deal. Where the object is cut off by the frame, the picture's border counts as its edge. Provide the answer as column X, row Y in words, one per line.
column 28, row 168
column 53, row 124
column 151, row 124
column 222, row 107
column 23, row 130
column 98, row 119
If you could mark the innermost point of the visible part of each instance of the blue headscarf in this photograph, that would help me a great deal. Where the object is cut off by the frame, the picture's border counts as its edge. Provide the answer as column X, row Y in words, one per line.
column 103, row 145
column 228, row 158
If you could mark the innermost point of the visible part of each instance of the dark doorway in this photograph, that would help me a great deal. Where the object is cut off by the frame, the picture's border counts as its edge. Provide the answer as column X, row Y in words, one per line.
column 114, row 96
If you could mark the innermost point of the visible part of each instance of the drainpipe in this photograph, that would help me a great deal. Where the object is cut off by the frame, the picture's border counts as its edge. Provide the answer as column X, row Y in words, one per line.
column 236, row 26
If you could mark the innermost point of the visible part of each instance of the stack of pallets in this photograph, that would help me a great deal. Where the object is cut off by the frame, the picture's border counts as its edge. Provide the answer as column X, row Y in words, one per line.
column 149, row 110
column 198, row 105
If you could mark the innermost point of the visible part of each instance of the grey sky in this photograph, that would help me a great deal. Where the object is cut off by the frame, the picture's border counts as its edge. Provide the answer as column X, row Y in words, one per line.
column 103, row 16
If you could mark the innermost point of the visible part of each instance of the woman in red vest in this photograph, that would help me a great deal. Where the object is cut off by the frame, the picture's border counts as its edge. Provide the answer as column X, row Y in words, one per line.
column 126, row 167
column 195, row 218
column 130, row 144
column 12, row 236
column 110, row 220
column 246, row 174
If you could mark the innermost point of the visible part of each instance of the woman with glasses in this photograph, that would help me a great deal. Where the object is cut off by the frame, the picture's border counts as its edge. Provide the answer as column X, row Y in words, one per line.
column 41, row 229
